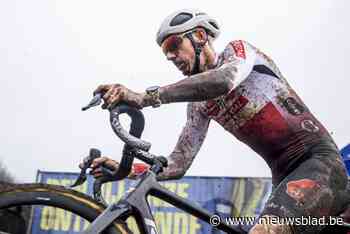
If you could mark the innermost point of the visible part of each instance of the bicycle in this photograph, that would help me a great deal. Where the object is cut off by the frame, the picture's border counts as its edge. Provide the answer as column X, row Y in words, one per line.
column 111, row 219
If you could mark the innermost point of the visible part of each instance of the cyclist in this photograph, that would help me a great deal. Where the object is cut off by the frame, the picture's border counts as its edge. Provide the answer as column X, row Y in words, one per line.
column 244, row 91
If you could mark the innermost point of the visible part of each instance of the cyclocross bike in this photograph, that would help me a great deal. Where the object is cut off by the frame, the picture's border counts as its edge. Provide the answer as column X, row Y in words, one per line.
column 111, row 219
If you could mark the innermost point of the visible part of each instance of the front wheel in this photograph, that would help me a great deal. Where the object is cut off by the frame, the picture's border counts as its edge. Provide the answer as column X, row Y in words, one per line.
column 14, row 195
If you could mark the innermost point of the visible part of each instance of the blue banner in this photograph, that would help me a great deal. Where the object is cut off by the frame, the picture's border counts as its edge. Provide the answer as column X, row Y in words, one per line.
column 345, row 153
column 225, row 196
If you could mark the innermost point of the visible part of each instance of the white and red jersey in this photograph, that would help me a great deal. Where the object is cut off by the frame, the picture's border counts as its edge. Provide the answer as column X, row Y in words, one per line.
column 262, row 110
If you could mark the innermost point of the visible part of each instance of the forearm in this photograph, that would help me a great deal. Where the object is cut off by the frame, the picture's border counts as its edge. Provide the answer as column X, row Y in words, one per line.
column 188, row 145
column 200, row 87
column 178, row 164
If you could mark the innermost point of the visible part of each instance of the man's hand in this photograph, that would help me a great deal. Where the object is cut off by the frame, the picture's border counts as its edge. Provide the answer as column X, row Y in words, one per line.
column 115, row 93
column 137, row 168
column 102, row 161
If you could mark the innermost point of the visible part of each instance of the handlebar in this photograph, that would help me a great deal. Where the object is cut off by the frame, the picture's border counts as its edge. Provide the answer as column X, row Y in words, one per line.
column 134, row 147
column 136, row 127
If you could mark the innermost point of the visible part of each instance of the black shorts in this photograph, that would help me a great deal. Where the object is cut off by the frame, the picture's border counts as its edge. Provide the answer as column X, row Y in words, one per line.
column 312, row 193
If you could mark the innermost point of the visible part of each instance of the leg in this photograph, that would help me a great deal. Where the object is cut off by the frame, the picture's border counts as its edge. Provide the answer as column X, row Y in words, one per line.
column 313, row 190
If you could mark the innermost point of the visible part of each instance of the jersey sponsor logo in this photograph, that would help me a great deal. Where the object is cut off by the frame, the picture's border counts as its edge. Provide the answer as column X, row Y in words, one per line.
column 211, row 108
column 238, row 105
column 292, row 106
column 214, row 106
column 220, row 102
column 239, row 49
column 224, row 108
column 302, row 190
column 233, row 109
column 309, row 126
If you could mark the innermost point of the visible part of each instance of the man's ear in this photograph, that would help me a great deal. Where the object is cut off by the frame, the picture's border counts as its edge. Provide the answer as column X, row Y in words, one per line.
column 201, row 36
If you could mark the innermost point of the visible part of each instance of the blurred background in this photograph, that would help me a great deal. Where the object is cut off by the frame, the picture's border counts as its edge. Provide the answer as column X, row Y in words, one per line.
column 53, row 54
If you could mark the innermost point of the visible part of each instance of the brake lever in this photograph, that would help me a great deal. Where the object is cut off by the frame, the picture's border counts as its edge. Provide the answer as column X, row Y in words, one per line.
column 93, row 154
column 95, row 101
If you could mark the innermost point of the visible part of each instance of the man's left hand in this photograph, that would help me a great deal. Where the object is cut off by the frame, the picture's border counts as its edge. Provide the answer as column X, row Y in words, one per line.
column 116, row 93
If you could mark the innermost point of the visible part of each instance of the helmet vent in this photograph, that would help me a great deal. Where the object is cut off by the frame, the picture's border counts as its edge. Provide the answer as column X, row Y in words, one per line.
column 214, row 25
column 180, row 19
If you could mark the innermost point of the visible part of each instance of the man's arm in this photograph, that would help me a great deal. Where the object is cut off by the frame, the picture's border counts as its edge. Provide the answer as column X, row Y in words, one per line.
column 239, row 58
column 200, row 87
column 188, row 145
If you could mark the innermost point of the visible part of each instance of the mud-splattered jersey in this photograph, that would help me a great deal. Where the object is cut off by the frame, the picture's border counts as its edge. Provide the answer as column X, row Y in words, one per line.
column 262, row 110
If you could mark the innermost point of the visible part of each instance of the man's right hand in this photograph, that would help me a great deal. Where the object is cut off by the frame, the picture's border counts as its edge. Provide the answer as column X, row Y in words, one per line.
column 115, row 93
column 102, row 161
column 137, row 168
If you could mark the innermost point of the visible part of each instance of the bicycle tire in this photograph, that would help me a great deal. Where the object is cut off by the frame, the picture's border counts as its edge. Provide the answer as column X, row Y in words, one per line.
column 12, row 195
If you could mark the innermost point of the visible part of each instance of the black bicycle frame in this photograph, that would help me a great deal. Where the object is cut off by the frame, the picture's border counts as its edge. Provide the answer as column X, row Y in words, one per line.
column 135, row 204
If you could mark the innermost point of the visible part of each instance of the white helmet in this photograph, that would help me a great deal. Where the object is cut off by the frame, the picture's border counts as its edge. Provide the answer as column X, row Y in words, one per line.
column 185, row 20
